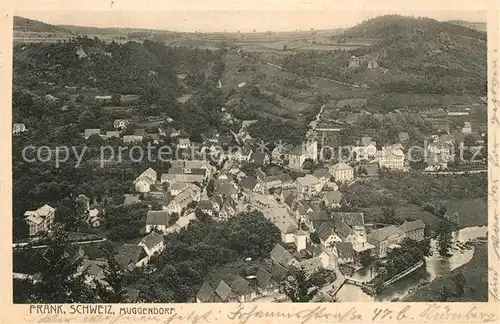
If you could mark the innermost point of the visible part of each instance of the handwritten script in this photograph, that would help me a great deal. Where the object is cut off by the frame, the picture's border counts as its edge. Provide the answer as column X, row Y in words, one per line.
column 494, row 172
column 293, row 313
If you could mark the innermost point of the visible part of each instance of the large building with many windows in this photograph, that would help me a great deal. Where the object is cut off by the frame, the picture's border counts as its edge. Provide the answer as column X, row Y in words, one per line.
column 40, row 220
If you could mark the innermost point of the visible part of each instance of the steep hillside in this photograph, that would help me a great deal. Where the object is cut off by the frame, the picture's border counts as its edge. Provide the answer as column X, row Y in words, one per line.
column 146, row 69
column 34, row 26
column 391, row 25
column 409, row 55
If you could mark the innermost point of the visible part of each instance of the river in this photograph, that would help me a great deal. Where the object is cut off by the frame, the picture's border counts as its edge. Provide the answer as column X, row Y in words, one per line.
column 435, row 267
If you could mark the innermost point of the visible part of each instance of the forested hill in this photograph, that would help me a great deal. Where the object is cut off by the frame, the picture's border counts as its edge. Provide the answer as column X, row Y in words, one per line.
column 29, row 25
column 388, row 26
column 145, row 69
column 406, row 55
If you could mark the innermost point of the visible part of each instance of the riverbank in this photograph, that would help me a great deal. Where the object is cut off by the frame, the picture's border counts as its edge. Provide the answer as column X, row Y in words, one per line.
column 476, row 275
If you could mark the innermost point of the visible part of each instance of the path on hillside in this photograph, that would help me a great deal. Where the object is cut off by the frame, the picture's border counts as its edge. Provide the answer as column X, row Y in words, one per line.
column 312, row 77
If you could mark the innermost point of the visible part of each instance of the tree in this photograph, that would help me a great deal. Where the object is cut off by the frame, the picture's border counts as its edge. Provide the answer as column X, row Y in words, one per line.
column 308, row 164
column 444, row 294
column 444, row 238
column 460, row 282
column 296, row 288
column 389, row 214
column 174, row 217
column 252, row 235
column 113, row 290
column 365, row 258
column 382, row 272
column 61, row 281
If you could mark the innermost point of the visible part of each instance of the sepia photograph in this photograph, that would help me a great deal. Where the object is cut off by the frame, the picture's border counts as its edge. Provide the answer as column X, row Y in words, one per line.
column 249, row 156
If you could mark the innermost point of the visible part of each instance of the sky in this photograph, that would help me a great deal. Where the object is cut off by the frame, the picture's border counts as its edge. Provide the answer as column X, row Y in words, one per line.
column 231, row 16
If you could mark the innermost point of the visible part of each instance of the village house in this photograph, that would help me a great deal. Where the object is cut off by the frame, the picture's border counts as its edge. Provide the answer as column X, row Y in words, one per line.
column 224, row 293
column 169, row 132
column 467, row 129
column 242, row 289
column 153, row 243
column 356, row 221
column 131, row 139
column 178, row 177
column 228, row 209
column 309, row 184
column 243, row 137
column 91, row 131
column 322, row 174
column 131, row 199
column 40, row 220
column 457, row 110
column 310, row 266
column 328, row 260
column 281, row 256
column 413, row 230
column 383, row 238
column 327, row 235
column 206, row 206
column 184, row 98
column 248, row 185
column 404, row 137
column 217, row 203
column 267, row 183
column 365, row 149
column 145, row 180
column 227, row 188
column 18, row 128
column 284, row 220
column 205, row 293
column 93, row 219
column 176, row 188
column 334, row 230
column 260, row 158
column 183, row 142
column 391, row 158
column 286, row 181
column 344, row 252
column 242, row 154
column 279, row 153
column 181, row 223
column 158, row 220
column 342, row 172
column 111, row 134
column 331, row 186
column 120, row 124
column 103, row 98
column 297, row 156
column 265, row 282
column 182, row 200
column 94, row 272
column 332, row 198
column 354, row 62
column 307, row 214
column 131, row 256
